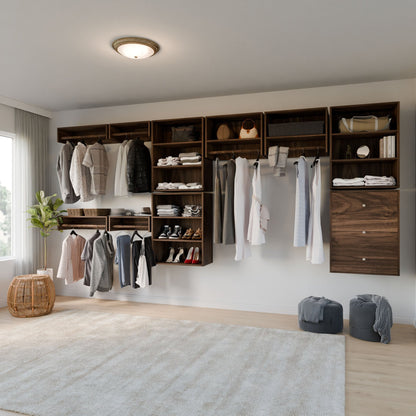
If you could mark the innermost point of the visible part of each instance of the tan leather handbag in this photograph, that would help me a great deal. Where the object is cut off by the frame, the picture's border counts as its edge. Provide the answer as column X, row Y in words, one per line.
column 224, row 132
column 358, row 124
column 248, row 130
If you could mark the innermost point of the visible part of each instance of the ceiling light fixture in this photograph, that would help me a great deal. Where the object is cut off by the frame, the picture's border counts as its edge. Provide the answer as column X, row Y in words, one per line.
column 135, row 48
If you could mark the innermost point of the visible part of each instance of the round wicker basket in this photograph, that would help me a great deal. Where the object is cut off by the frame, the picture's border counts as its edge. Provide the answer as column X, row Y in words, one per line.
column 31, row 295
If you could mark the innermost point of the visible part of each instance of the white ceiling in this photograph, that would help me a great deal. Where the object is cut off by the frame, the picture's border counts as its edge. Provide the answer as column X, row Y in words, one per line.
column 56, row 54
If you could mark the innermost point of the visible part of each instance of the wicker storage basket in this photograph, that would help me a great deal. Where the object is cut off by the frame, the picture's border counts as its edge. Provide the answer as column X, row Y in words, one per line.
column 75, row 212
column 96, row 212
column 31, row 295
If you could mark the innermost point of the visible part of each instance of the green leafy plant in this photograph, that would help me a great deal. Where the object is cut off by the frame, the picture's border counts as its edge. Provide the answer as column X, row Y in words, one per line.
column 46, row 216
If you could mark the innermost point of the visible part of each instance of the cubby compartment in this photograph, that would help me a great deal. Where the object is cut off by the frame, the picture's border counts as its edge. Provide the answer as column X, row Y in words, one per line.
column 126, row 131
column 129, row 222
column 179, row 131
column 226, row 148
column 304, row 131
column 87, row 134
column 83, row 223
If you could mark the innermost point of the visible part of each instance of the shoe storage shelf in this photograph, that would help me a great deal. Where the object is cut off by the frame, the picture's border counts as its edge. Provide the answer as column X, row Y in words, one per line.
column 233, row 146
column 344, row 160
column 161, row 246
column 365, row 231
column 304, row 131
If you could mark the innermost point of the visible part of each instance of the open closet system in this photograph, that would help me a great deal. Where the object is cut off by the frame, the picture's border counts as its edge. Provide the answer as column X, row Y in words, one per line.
column 364, row 219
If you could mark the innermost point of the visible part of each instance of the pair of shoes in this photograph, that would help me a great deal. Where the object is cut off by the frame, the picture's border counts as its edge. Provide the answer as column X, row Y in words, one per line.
column 175, row 259
column 190, row 234
column 192, row 256
column 167, row 232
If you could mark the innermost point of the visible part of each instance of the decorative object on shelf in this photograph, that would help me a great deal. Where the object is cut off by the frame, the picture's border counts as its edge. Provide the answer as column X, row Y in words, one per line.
column 184, row 133
column 46, row 216
column 118, row 211
column 248, row 130
column 358, row 124
column 296, row 128
column 348, row 152
column 224, row 132
column 31, row 295
column 363, row 152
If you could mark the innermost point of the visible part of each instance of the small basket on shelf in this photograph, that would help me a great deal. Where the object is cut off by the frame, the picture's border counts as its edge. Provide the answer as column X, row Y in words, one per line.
column 96, row 212
column 75, row 212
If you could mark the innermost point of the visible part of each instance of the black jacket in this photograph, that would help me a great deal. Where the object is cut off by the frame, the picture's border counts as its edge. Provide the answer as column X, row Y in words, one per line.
column 138, row 168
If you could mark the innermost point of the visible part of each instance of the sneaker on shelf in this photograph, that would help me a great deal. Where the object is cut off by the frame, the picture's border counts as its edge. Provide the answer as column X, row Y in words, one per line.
column 197, row 235
column 188, row 234
column 166, row 231
column 177, row 233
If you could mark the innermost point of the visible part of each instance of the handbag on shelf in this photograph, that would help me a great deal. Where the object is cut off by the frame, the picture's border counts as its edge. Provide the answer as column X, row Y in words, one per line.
column 359, row 124
column 184, row 134
column 248, row 130
column 224, row 132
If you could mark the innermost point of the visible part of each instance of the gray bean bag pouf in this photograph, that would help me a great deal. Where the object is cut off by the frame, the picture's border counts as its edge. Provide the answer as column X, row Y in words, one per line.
column 332, row 321
column 362, row 318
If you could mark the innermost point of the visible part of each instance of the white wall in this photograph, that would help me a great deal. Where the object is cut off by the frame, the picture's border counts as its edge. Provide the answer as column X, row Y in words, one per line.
column 6, row 266
column 277, row 277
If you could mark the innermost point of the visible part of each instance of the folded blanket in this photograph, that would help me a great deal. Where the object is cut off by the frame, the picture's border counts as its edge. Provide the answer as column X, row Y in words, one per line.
column 384, row 316
column 311, row 309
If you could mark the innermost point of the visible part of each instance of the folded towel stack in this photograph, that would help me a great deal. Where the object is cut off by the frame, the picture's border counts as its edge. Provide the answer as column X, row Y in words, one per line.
column 191, row 158
column 348, row 182
column 168, row 210
column 169, row 161
column 192, row 211
column 191, row 185
column 166, row 186
column 379, row 180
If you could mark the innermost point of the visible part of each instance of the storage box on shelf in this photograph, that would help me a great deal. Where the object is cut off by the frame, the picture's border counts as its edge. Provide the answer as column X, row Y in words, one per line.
column 203, row 222
column 225, row 148
column 304, row 131
column 364, row 220
column 344, row 161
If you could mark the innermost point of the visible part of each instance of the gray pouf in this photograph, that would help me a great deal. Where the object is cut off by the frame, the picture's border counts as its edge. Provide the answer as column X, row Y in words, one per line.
column 362, row 318
column 332, row 322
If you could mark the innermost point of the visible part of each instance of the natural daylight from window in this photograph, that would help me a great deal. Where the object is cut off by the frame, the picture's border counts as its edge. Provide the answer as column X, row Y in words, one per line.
column 6, row 183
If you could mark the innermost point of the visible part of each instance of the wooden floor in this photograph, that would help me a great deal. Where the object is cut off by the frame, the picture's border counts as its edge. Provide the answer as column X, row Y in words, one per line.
column 380, row 379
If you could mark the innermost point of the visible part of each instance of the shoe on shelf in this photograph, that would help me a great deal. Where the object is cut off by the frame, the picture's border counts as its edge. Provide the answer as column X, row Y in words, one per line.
column 188, row 234
column 171, row 254
column 178, row 256
column 177, row 233
column 166, row 231
column 190, row 256
column 197, row 235
column 195, row 258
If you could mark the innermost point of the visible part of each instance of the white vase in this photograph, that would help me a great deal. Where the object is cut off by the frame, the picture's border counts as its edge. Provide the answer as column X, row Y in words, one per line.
column 47, row 272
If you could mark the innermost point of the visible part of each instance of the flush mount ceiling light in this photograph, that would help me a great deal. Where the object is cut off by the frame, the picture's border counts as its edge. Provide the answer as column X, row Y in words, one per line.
column 135, row 48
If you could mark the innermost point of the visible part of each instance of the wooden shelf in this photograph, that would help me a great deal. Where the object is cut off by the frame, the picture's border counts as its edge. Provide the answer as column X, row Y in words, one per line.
column 129, row 222
column 180, row 264
column 234, row 141
column 168, row 217
column 179, row 144
column 365, row 135
column 367, row 160
column 176, row 240
column 83, row 223
column 299, row 137
column 363, row 187
column 179, row 167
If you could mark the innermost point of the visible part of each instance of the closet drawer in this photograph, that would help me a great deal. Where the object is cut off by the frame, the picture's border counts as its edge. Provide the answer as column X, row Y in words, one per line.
column 367, row 253
column 365, row 211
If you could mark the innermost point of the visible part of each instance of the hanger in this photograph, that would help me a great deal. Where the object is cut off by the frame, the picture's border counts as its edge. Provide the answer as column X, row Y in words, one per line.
column 100, row 141
column 302, row 154
column 73, row 232
column 316, row 157
column 134, row 234
column 233, row 156
column 256, row 163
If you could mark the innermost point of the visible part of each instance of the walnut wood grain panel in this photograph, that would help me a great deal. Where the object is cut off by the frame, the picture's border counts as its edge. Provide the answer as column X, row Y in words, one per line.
column 364, row 210
column 369, row 253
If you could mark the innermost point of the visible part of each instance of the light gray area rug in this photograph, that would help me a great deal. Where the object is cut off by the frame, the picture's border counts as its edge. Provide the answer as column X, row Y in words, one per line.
column 83, row 363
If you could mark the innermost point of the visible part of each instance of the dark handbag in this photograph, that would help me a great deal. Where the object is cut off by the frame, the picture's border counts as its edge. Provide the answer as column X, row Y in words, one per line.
column 183, row 134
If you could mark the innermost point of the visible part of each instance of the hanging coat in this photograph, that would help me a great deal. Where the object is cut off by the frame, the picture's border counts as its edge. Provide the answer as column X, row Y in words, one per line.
column 142, row 272
column 138, row 168
column 218, row 207
column 315, row 247
column 300, row 235
column 63, row 165
column 241, row 208
column 96, row 161
column 136, row 246
column 87, row 257
column 80, row 175
column 120, row 180
column 71, row 267
column 123, row 259
column 228, row 229
column 259, row 214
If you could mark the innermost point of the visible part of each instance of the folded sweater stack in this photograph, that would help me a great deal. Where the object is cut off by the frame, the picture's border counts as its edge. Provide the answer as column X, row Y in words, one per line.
column 168, row 210
column 368, row 180
column 192, row 211
column 191, row 158
column 169, row 161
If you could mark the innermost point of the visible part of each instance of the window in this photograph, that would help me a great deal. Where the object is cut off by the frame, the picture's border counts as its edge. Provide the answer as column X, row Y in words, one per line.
column 6, row 184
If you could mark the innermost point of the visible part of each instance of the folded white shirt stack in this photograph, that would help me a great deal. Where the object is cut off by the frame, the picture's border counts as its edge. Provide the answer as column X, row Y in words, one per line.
column 164, row 186
column 192, row 211
column 379, row 180
column 191, row 158
column 168, row 210
column 191, row 185
column 169, row 161
column 348, row 182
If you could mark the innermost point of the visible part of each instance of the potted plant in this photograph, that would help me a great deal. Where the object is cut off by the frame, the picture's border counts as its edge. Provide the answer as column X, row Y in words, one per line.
column 46, row 216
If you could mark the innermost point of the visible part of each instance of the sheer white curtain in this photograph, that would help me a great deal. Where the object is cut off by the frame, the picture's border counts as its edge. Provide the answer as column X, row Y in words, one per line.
column 30, row 166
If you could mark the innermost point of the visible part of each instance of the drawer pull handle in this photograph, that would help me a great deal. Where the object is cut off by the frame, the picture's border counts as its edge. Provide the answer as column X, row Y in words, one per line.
column 363, row 205
column 363, row 259
column 364, row 232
